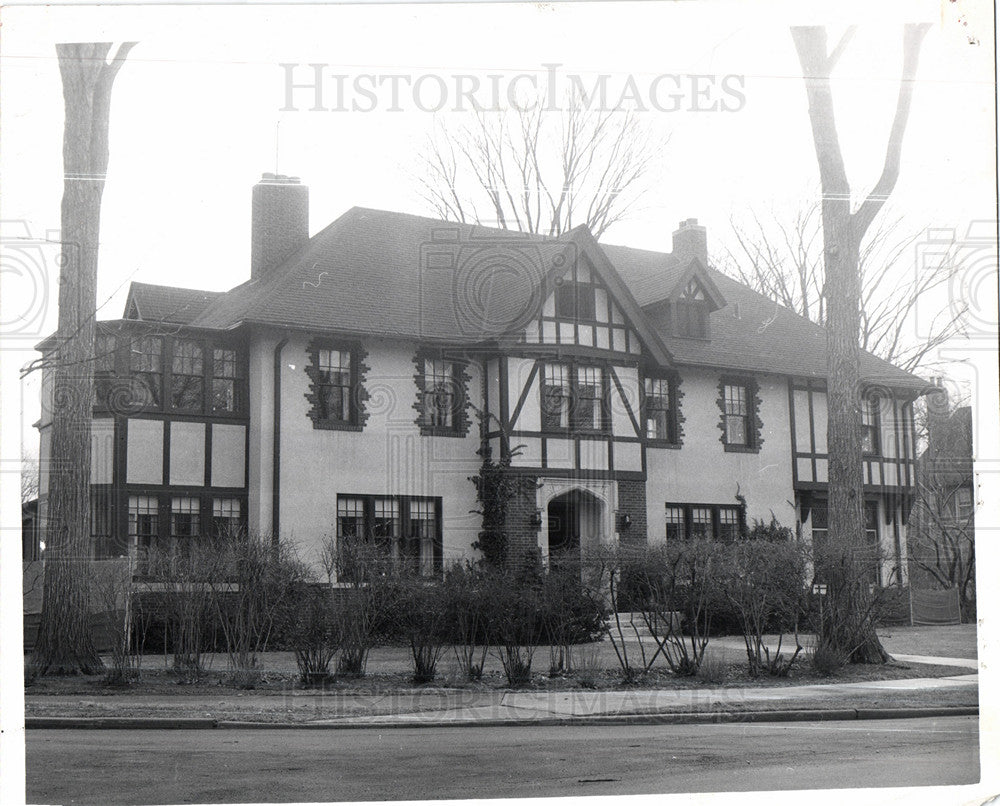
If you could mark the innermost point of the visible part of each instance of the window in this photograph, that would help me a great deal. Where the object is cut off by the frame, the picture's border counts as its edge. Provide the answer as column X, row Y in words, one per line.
column 438, row 397
column 185, row 517
column 385, row 524
column 729, row 523
column 226, row 518
column 104, row 369
column 146, row 367
column 701, row 523
column 691, row 312
column 403, row 528
column 556, row 396
column 661, row 422
column 336, row 393
column 419, row 548
column 573, row 397
column 335, row 385
column 226, row 374
column 187, row 388
column 350, row 518
column 575, row 301
column 704, row 522
column 143, row 525
column 736, row 415
column 870, row 426
column 740, row 423
column 588, row 411
column 675, row 523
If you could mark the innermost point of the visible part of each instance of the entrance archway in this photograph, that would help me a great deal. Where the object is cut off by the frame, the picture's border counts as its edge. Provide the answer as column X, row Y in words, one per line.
column 575, row 519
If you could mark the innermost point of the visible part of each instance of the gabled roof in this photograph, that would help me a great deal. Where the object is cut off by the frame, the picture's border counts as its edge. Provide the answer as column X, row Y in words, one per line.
column 696, row 270
column 751, row 332
column 164, row 303
column 380, row 273
column 374, row 272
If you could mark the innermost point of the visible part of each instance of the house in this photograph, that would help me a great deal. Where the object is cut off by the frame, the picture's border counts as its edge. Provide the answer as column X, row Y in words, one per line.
column 347, row 386
column 941, row 538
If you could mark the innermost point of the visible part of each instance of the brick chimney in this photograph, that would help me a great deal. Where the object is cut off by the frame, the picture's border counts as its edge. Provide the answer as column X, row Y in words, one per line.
column 690, row 241
column 280, row 221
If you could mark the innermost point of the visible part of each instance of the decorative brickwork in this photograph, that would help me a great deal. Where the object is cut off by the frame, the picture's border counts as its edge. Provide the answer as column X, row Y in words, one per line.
column 359, row 395
column 461, row 404
column 754, row 425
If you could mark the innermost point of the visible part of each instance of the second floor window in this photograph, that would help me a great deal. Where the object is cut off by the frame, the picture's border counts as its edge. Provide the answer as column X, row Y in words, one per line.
column 335, row 375
column 226, row 375
column 658, row 411
column 556, row 397
column 439, row 397
column 187, row 387
column 737, row 414
column 869, row 426
column 146, row 368
column 573, row 397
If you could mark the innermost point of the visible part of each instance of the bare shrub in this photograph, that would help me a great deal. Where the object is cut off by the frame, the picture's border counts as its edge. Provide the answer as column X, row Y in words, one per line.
column 419, row 613
column 514, row 600
column 253, row 585
column 365, row 605
column 313, row 631
column 466, row 615
column 567, row 613
column 183, row 576
column 678, row 582
column 764, row 584
column 111, row 590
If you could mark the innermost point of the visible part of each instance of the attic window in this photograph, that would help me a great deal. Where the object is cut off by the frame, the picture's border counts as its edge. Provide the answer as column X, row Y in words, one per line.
column 691, row 312
column 575, row 301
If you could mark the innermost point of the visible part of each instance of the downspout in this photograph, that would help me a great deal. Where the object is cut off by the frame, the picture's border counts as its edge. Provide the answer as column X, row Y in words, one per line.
column 276, row 445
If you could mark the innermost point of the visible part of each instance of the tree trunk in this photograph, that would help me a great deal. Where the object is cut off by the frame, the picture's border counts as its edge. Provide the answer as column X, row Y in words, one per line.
column 849, row 617
column 64, row 644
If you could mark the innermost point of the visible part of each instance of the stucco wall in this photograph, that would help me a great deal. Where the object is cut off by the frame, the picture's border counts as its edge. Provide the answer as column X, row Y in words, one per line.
column 703, row 472
column 389, row 457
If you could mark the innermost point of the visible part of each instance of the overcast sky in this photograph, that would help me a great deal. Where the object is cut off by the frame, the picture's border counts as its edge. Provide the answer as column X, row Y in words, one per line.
column 196, row 111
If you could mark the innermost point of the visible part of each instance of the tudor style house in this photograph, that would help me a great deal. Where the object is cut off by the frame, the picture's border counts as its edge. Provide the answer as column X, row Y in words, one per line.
column 347, row 387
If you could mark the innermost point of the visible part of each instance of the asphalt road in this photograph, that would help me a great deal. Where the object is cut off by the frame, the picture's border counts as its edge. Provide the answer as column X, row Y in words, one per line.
column 111, row 766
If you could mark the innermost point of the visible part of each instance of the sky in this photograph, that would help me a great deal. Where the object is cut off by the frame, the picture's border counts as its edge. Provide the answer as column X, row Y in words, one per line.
column 196, row 118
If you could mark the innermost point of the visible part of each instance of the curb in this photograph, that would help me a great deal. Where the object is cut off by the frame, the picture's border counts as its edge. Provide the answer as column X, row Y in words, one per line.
column 718, row 717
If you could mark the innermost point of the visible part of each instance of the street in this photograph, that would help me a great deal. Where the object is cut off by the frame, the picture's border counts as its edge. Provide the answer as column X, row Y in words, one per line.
column 281, row 765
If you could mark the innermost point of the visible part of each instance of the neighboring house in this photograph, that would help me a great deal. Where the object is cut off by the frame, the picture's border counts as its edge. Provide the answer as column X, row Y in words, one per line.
column 942, row 546
column 337, row 390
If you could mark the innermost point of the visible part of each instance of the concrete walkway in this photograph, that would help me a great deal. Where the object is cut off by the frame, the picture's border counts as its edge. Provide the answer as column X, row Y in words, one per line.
column 453, row 707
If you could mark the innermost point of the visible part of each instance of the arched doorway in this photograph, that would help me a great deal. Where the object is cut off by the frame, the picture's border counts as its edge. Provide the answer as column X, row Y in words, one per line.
column 575, row 519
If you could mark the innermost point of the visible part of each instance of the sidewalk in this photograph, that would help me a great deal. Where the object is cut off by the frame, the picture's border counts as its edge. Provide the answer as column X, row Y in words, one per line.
column 456, row 707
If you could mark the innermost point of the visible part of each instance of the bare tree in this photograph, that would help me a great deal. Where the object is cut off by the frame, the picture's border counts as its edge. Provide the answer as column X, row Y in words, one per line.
column 845, row 630
column 29, row 477
column 941, row 542
column 64, row 642
column 782, row 258
column 540, row 172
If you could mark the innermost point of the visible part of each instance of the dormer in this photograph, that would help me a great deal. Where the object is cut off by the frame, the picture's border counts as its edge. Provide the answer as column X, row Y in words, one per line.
column 684, row 312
